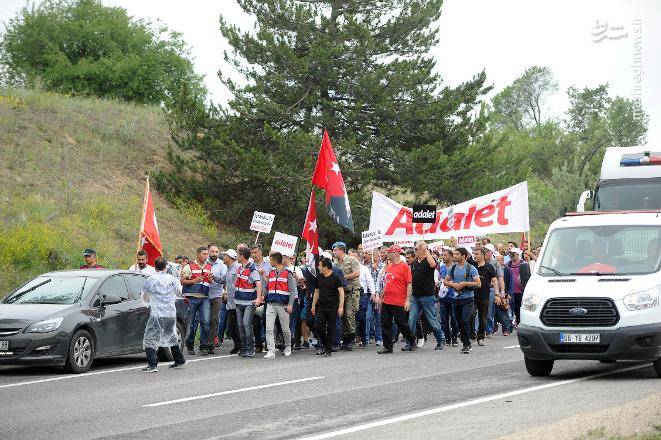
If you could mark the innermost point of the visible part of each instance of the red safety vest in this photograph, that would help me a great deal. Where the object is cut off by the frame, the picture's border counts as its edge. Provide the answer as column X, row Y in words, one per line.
column 278, row 286
column 196, row 271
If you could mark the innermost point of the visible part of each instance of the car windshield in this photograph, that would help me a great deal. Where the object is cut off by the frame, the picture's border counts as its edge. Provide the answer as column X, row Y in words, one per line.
column 602, row 250
column 631, row 194
column 52, row 290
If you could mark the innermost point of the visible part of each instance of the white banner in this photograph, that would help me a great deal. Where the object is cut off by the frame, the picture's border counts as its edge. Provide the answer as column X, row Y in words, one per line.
column 262, row 222
column 372, row 240
column 499, row 212
column 285, row 244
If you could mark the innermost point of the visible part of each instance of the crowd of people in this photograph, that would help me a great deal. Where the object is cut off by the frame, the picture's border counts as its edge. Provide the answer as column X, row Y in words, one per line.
column 349, row 298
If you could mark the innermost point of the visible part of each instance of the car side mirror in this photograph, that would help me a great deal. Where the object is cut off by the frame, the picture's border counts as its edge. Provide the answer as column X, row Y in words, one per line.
column 109, row 298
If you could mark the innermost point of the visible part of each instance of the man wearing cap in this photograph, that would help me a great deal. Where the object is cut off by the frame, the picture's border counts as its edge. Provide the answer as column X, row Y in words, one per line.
column 396, row 300
column 351, row 270
column 141, row 265
column 90, row 260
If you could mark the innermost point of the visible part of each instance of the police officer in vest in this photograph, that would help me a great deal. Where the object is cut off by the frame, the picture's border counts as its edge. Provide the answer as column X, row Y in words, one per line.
column 281, row 294
column 247, row 296
column 195, row 279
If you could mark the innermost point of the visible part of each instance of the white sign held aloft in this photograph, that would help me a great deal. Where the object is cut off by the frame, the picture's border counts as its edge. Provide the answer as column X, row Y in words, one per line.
column 285, row 244
column 372, row 240
column 262, row 222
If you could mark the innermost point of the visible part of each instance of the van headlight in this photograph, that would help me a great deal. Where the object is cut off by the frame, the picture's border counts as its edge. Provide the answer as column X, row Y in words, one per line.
column 45, row 326
column 530, row 301
column 642, row 300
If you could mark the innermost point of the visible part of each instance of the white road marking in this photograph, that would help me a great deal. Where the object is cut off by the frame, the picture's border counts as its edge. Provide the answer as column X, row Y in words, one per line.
column 96, row 373
column 511, row 346
column 481, row 400
column 224, row 393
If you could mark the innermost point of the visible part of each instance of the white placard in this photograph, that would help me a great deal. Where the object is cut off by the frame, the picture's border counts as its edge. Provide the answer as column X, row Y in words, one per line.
column 466, row 241
column 404, row 243
column 372, row 240
column 436, row 246
column 262, row 222
column 285, row 244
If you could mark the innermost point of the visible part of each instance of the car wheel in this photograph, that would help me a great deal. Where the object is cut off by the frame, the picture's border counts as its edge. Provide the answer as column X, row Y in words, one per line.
column 164, row 353
column 81, row 352
column 657, row 367
column 538, row 368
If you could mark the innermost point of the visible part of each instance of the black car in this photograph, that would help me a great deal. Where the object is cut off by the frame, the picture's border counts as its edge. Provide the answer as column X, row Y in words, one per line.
column 69, row 318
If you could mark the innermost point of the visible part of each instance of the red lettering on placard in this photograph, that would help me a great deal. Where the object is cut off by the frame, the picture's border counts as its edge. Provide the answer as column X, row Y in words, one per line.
column 402, row 220
column 458, row 218
column 483, row 214
column 502, row 204
column 469, row 217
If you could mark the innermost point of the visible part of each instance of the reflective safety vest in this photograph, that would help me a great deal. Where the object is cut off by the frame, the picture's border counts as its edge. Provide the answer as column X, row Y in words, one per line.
column 246, row 290
column 278, row 287
column 198, row 288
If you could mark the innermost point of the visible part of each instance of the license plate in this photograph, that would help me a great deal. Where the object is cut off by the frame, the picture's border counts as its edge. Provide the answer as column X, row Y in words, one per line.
column 4, row 345
column 579, row 338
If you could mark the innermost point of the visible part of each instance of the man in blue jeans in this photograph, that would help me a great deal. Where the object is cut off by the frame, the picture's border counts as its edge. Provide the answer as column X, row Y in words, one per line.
column 248, row 296
column 464, row 279
column 446, row 302
column 423, row 298
column 195, row 279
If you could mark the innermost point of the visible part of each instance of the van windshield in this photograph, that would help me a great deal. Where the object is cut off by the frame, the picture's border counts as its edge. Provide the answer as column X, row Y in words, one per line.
column 599, row 250
column 628, row 194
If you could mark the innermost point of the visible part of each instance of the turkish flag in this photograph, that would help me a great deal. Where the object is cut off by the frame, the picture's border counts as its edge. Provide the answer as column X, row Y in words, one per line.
column 327, row 176
column 150, row 238
column 310, row 232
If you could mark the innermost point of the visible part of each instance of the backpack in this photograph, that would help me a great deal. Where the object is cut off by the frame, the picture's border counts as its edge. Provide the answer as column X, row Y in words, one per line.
column 467, row 277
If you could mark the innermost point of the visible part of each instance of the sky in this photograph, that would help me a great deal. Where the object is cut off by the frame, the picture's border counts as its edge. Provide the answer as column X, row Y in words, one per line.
column 585, row 43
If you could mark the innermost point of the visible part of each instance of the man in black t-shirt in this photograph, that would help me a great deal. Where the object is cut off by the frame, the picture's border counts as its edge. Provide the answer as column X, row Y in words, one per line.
column 488, row 279
column 327, row 305
column 424, row 299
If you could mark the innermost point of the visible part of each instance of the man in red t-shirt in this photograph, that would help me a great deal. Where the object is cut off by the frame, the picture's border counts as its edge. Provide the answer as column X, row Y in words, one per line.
column 396, row 300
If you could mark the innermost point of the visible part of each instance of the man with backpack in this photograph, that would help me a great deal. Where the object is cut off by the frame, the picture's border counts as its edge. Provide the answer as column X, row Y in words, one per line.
column 464, row 279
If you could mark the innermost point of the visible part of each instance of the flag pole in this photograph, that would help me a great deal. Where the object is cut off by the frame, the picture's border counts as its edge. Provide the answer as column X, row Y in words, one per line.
column 142, row 221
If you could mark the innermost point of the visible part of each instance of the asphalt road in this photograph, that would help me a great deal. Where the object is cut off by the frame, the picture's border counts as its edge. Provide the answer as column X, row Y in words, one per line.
column 358, row 395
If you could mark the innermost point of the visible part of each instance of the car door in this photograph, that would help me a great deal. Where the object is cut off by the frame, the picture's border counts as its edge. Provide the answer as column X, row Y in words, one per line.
column 114, row 319
column 140, row 315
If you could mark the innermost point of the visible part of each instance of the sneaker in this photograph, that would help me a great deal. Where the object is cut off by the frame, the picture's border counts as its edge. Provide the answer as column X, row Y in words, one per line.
column 190, row 351
column 249, row 354
column 287, row 351
column 421, row 343
column 465, row 349
column 384, row 350
column 328, row 353
column 177, row 365
column 480, row 342
column 407, row 347
column 235, row 350
column 454, row 342
column 203, row 352
column 216, row 342
column 269, row 355
column 379, row 343
column 440, row 346
column 506, row 333
column 149, row 369
column 319, row 352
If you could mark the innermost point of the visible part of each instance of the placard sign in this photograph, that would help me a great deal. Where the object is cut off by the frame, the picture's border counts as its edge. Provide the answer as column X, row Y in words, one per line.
column 372, row 240
column 285, row 244
column 262, row 222
column 424, row 214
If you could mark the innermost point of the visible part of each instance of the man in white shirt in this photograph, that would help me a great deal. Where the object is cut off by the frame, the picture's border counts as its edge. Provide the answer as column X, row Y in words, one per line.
column 367, row 289
column 141, row 265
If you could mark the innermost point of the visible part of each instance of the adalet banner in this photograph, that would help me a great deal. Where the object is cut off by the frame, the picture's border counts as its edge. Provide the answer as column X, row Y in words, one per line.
column 499, row 212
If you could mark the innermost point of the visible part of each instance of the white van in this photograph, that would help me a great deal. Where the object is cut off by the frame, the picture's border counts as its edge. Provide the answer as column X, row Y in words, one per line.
column 630, row 179
column 595, row 292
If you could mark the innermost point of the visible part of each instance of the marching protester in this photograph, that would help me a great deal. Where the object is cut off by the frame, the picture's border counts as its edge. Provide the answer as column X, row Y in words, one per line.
column 289, row 261
column 366, row 292
column 446, row 301
column 464, row 279
column 90, row 260
column 141, row 265
column 424, row 291
column 327, row 304
column 218, row 275
column 500, row 274
column 396, row 300
column 259, row 318
column 373, row 314
column 160, row 292
column 281, row 293
column 488, row 283
column 233, row 267
column 195, row 279
column 248, row 296
column 520, row 271
column 351, row 269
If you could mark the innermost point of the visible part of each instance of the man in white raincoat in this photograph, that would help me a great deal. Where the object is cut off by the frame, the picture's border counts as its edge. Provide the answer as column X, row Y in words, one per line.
column 160, row 292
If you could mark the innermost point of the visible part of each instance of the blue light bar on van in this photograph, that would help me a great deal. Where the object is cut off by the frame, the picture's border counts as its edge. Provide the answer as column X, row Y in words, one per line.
column 635, row 160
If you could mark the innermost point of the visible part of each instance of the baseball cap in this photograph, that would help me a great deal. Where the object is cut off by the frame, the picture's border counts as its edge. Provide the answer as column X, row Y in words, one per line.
column 339, row 244
column 394, row 249
column 516, row 251
column 490, row 247
column 327, row 254
column 88, row 252
column 230, row 253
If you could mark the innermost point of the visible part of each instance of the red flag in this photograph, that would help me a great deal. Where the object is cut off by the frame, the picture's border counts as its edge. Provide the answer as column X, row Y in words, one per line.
column 327, row 176
column 310, row 232
column 524, row 242
column 150, row 238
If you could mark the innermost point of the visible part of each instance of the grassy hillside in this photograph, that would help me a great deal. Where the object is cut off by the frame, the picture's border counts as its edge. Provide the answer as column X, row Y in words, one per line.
column 72, row 173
